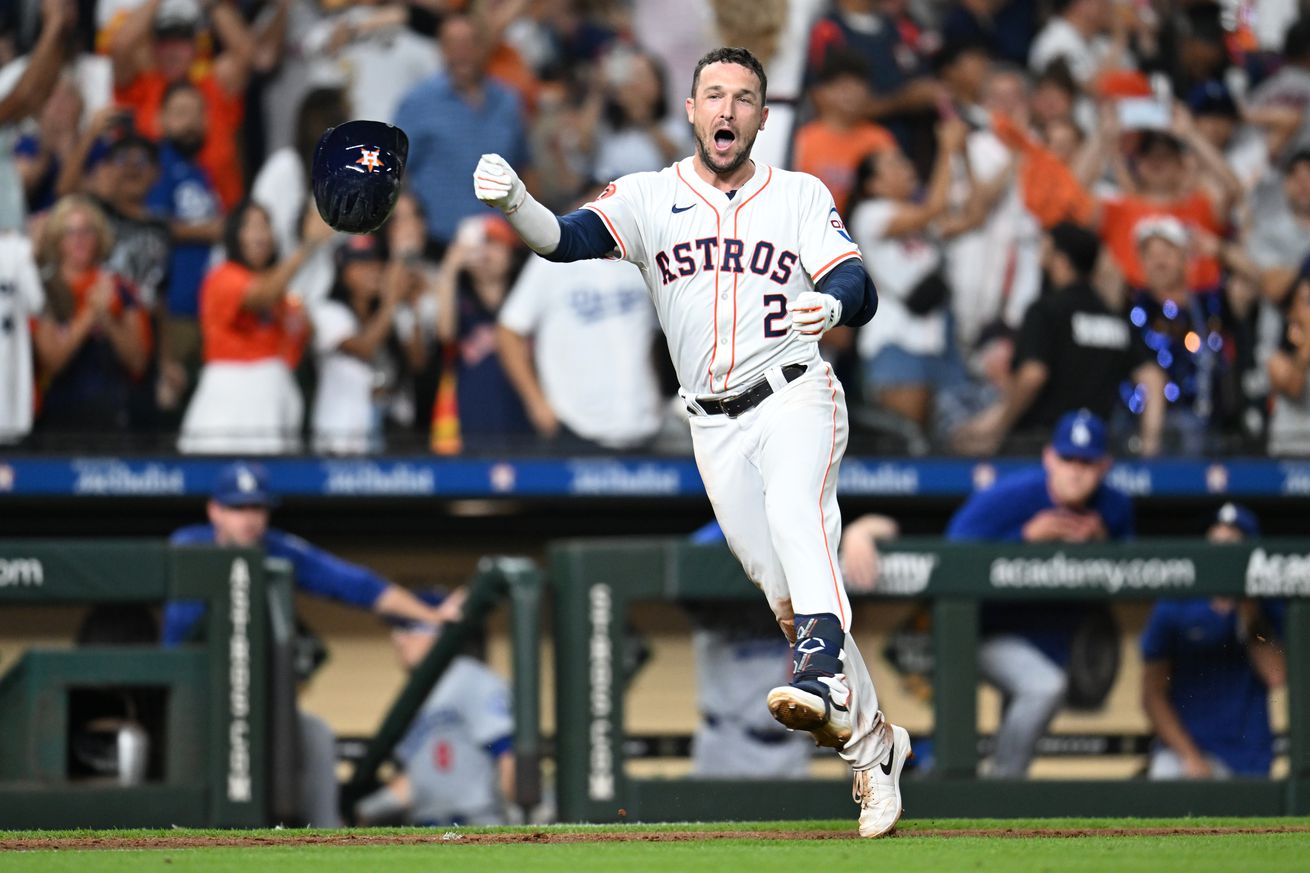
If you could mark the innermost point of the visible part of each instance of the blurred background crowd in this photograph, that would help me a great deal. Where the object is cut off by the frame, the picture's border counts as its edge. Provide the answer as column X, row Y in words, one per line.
column 1064, row 204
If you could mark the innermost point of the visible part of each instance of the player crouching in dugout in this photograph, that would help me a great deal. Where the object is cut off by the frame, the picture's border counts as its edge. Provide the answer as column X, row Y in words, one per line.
column 1209, row 664
column 456, row 761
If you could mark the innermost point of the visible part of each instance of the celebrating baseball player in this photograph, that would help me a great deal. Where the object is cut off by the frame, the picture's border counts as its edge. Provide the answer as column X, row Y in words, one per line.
column 748, row 266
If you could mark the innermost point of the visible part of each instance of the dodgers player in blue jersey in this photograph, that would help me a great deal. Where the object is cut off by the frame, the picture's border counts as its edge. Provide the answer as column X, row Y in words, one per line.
column 1208, row 666
column 1024, row 646
column 238, row 511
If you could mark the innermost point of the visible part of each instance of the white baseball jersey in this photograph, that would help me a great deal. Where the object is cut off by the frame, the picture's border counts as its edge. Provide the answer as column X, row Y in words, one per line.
column 592, row 324
column 722, row 269
column 21, row 298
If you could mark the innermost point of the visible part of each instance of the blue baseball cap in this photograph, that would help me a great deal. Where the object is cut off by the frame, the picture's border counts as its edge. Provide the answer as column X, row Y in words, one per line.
column 1212, row 98
column 242, row 484
column 1080, row 436
column 1238, row 516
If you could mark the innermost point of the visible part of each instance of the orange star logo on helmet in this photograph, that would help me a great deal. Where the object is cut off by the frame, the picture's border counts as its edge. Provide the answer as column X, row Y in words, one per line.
column 368, row 158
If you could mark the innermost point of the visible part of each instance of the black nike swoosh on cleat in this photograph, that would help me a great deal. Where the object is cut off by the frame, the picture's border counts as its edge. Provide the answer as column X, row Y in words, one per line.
column 677, row 209
column 887, row 766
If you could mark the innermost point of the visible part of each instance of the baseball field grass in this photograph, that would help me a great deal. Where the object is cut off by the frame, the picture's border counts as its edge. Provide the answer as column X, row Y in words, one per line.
column 1191, row 845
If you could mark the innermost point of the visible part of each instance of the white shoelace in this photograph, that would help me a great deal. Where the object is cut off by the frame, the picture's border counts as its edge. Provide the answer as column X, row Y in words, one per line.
column 862, row 787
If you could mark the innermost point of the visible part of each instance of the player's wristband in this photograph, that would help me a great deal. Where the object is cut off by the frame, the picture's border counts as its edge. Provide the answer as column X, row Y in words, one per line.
column 536, row 224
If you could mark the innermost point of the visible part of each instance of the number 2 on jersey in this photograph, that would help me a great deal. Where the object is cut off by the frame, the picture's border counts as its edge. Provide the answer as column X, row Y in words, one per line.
column 777, row 306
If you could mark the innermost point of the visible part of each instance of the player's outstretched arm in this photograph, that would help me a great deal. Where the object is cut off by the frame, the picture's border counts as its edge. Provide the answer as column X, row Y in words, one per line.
column 496, row 184
column 575, row 237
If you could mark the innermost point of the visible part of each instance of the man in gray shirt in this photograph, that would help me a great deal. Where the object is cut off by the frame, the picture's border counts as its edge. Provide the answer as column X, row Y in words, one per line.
column 1279, row 237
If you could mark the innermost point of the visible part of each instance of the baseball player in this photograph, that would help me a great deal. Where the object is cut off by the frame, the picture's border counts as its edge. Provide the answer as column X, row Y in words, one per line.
column 457, row 758
column 748, row 266
column 1208, row 665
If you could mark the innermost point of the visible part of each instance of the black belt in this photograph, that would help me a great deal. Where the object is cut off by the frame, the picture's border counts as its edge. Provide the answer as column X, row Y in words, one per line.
column 745, row 401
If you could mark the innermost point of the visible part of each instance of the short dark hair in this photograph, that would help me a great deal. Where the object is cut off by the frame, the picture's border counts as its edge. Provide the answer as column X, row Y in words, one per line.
column 135, row 142
column 1147, row 140
column 1201, row 21
column 732, row 55
column 1300, row 156
column 954, row 49
column 320, row 109
column 1078, row 244
column 1058, row 74
column 1296, row 40
column 842, row 63
column 175, row 87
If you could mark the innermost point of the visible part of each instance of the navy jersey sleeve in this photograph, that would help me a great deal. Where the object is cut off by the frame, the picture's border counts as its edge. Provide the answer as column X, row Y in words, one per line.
column 1157, row 638
column 582, row 236
column 849, row 283
column 326, row 575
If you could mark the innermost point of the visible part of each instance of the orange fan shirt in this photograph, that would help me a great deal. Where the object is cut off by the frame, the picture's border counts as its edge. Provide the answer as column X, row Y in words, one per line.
column 224, row 113
column 231, row 332
column 834, row 155
column 1119, row 218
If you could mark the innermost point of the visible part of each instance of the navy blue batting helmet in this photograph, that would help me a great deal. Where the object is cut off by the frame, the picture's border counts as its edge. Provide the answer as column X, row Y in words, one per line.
column 357, row 170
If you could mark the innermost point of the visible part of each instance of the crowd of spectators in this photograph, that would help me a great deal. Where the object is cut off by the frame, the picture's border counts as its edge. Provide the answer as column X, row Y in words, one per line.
column 1064, row 204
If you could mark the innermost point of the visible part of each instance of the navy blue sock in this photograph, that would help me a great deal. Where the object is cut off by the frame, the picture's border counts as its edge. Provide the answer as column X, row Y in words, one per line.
column 819, row 642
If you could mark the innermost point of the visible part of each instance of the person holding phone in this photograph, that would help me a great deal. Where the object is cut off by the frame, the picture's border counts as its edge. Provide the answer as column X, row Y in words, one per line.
column 471, row 286
column 1169, row 168
column 906, row 352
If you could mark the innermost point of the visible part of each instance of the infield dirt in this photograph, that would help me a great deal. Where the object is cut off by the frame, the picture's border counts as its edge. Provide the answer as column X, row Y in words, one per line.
column 550, row 836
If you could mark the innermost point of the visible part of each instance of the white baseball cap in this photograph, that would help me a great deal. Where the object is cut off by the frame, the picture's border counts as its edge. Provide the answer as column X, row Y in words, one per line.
column 1166, row 227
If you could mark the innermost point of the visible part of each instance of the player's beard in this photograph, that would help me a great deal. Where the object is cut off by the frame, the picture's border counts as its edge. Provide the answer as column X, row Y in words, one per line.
column 715, row 163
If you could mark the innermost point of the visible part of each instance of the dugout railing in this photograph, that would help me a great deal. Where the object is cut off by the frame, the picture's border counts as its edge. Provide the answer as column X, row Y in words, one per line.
column 226, row 735
column 595, row 582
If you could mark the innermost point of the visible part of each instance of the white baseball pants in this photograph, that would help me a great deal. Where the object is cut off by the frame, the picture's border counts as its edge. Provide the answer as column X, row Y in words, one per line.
column 771, row 476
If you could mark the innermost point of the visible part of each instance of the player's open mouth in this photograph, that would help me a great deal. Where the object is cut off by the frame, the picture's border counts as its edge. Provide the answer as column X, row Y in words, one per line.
column 723, row 140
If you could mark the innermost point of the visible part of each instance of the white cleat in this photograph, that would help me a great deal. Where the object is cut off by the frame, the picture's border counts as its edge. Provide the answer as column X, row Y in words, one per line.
column 798, row 709
column 878, row 790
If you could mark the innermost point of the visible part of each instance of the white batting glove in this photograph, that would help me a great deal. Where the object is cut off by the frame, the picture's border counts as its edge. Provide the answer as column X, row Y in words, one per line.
column 813, row 314
column 496, row 184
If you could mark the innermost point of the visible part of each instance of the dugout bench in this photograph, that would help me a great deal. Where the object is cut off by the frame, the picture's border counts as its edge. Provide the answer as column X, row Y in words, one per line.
column 595, row 582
